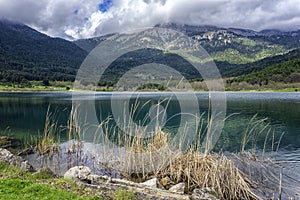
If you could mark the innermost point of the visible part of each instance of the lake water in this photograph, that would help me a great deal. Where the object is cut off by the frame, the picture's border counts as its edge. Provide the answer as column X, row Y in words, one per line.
column 23, row 115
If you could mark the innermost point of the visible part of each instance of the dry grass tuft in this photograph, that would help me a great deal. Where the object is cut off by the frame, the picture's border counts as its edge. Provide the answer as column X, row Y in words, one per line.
column 156, row 159
column 213, row 171
column 5, row 142
column 140, row 159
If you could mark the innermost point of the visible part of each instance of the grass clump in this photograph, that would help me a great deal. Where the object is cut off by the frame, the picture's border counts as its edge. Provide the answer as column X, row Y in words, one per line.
column 195, row 169
column 213, row 170
column 47, row 144
column 124, row 195
column 147, row 158
column 4, row 142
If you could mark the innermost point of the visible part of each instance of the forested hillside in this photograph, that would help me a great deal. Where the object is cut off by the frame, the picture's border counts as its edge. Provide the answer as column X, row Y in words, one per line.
column 26, row 54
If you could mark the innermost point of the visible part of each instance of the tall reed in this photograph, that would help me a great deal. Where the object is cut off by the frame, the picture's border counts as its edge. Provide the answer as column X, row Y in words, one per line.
column 48, row 144
column 140, row 158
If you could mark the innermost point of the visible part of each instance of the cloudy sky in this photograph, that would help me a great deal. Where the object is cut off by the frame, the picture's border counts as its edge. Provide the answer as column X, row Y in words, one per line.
column 74, row 19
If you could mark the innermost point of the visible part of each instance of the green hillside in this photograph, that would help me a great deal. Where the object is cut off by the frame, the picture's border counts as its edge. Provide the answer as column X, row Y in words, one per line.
column 26, row 54
column 286, row 72
column 237, row 70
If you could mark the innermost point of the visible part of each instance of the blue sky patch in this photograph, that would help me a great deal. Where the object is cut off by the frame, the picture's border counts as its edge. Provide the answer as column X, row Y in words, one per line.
column 105, row 5
column 86, row 19
column 76, row 11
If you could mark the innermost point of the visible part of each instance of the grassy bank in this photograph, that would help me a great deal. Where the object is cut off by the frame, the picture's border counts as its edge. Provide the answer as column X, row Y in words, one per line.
column 60, row 86
column 17, row 184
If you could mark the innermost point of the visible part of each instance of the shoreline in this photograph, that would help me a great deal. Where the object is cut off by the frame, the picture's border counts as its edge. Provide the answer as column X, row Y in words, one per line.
column 287, row 90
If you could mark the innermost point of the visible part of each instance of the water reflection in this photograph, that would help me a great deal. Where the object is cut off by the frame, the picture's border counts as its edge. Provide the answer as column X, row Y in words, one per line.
column 24, row 113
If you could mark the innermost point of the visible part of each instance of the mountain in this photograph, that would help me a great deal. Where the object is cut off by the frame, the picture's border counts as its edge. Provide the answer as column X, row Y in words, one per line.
column 90, row 43
column 231, row 45
column 26, row 54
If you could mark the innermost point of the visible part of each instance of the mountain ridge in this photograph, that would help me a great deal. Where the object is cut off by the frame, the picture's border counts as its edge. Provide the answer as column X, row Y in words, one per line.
column 26, row 54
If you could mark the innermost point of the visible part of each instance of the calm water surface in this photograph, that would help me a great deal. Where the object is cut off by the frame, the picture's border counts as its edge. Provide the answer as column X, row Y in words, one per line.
column 23, row 115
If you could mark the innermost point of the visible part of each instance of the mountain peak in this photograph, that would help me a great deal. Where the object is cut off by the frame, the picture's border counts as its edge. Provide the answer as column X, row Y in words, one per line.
column 17, row 28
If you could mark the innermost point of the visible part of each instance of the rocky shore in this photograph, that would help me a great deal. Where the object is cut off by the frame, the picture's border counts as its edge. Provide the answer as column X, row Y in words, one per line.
column 104, row 185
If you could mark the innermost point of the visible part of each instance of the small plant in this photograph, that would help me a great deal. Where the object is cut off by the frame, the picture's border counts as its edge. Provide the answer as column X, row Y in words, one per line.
column 49, row 143
column 124, row 195
column 4, row 142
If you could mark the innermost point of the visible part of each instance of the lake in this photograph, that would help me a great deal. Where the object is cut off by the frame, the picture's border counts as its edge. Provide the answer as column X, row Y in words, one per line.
column 22, row 115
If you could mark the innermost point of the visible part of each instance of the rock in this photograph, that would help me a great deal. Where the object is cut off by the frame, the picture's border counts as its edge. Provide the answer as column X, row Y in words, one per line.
column 78, row 173
column 26, row 166
column 204, row 194
column 151, row 183
column 178, row 188
column 95, row 179
column 11, row 159
column 167, row 182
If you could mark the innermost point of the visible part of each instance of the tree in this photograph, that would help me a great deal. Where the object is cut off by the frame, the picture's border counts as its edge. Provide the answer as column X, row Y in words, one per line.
column 46, row 83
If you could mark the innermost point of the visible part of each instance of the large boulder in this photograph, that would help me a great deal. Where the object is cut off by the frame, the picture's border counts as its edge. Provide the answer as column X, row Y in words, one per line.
column 78, row 173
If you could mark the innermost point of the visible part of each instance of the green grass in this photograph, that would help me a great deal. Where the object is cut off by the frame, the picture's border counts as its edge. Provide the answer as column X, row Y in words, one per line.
column 24, row 189
column 288, row 90
column 15, row 184
column 124, row 195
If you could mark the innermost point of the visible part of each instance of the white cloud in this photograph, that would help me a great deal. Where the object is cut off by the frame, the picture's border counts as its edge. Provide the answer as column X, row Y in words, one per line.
column 58, row 17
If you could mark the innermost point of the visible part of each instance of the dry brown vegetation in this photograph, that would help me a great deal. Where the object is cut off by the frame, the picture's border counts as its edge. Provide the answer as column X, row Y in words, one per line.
column 4, row 142
column 137, row 158
column 140, row 159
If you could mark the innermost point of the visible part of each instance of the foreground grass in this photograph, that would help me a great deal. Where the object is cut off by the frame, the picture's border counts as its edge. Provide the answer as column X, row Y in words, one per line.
column 15, row 184
column 24, row 189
